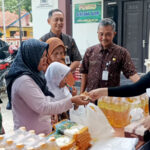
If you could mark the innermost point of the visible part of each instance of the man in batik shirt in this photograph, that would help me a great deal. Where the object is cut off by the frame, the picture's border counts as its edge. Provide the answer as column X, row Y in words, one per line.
column 103, row 63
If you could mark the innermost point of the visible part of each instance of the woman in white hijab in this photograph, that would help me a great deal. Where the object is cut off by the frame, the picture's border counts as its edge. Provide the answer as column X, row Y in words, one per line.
column 56, row 75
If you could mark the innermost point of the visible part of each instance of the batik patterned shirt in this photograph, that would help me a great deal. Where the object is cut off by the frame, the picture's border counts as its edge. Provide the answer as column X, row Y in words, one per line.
column 114, row 60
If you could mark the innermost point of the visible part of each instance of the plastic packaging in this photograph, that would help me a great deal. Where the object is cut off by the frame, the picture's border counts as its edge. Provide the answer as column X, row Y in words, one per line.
column 29, row 139
column 1, row 141
column 95, row 120
column 42, row 146
column 17, row 135
column 52, row 144
column 117, row 110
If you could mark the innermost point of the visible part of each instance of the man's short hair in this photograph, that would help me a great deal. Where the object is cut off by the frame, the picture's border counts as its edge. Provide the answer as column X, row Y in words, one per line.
column 107, row 22
column 52, row 11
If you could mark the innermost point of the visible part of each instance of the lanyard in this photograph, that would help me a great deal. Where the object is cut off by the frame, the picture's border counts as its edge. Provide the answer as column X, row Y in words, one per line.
column 107, row 65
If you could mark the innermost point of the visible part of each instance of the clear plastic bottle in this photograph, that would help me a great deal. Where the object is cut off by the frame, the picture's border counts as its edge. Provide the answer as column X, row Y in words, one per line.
column 9, row 144
column 1, row 141
column 30, row 148
column 52, row 144
column 42, row 146
column 41, row 135
column 17, row 134
column 37, row 139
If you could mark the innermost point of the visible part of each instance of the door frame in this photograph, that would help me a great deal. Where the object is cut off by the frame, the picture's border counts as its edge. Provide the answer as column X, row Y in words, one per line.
column 120, row 4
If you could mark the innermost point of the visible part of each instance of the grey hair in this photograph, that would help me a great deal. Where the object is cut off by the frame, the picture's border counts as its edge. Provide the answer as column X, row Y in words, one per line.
column 52, row 11
column 107, row 22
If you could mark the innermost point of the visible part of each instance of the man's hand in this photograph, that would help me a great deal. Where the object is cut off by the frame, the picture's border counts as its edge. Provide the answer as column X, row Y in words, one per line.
column 79, row 100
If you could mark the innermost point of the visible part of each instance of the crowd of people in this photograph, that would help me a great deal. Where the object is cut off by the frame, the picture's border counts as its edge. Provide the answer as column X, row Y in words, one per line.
column 40, row 81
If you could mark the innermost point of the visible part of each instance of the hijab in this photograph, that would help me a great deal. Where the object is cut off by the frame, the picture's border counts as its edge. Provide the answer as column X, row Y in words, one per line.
column 55, row 73
column 54, row 42
column 26, row 63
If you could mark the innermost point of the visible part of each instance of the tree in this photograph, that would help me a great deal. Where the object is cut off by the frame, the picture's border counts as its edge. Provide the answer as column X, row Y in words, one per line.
column 12, row 5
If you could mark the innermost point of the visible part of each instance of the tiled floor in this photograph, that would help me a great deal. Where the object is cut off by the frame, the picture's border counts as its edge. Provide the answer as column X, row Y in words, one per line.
column 7, row 115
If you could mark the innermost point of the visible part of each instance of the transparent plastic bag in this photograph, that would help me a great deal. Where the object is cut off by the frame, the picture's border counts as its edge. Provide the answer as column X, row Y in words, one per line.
column 97, row 123
column 92, row 117
column 78, row 115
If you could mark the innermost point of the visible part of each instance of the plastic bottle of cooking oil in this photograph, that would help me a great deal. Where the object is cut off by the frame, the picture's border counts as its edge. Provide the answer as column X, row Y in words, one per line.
column 9, row 144
column 29, row 139
column 1, row 141
column 42, row 146
column 30, row 148
column 146, row 109
column 125, row 110
column 17, row 134
column 36, row 139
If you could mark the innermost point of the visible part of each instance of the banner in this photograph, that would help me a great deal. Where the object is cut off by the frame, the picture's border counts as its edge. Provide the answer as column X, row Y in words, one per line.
column 88, row 12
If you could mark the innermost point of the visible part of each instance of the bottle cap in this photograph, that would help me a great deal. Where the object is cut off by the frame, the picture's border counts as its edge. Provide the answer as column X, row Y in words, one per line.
column 23, row 128
column 9, row 141
column 43, row 145
column 20, row 146
column 42, row 135
column 1, row 137
column 51, row 139
column 32, row 131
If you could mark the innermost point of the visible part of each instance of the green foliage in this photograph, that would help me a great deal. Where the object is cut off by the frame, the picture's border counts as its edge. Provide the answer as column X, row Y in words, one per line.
column 12, row 5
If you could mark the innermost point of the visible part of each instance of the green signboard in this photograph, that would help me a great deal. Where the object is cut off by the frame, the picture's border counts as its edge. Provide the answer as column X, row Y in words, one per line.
column 88, row 12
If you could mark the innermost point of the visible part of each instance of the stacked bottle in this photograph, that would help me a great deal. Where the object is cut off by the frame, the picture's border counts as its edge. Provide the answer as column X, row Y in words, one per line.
column 117, row 110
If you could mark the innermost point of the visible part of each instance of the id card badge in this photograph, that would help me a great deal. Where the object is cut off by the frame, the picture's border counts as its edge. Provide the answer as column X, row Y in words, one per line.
column 105, row 75
column 67, row 60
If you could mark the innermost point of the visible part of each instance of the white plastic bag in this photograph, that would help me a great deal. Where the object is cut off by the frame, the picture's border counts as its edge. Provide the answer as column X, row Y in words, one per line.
column 116, row 143
column 97, row 123
column 78, row 115
column 92, row 117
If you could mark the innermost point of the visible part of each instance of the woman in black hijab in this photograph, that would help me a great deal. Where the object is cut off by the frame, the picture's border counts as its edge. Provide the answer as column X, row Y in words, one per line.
column 26, row 63
column 32, row 103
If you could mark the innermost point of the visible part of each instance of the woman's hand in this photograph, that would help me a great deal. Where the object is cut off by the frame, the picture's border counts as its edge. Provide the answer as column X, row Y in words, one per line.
column 97, row 93
column 146, row 123
column 79, row 100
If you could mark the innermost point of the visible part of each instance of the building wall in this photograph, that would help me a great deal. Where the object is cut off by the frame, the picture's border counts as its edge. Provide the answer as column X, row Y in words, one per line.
column 40, row 15
column 85, row 34
column 29, row 31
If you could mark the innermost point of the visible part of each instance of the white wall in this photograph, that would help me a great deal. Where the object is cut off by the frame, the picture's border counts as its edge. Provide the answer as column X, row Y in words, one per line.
column 40, row 15
column 85, row 34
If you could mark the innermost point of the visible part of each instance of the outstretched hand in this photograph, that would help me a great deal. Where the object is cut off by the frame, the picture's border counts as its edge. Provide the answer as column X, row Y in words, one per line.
column 97, row 93
column 79, row 100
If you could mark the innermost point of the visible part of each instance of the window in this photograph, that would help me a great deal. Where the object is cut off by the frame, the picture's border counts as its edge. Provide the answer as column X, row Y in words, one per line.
column 12, row 33
column 24, row 33
column 44, row 1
